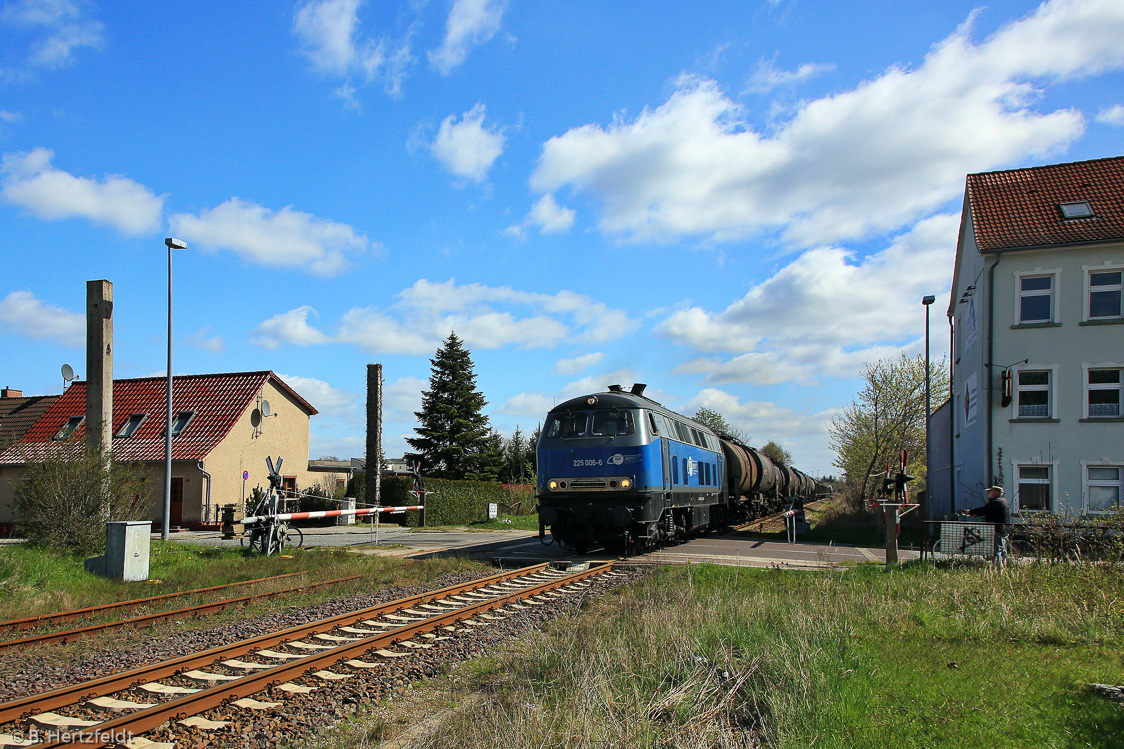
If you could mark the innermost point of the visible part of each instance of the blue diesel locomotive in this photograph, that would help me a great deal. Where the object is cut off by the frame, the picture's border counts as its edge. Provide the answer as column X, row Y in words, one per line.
column 617, row 469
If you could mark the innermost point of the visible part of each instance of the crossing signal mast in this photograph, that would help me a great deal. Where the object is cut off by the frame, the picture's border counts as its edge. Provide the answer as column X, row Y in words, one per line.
column 894, row 501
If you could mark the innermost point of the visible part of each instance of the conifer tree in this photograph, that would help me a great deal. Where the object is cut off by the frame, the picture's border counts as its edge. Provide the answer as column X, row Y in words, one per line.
column 453, row 433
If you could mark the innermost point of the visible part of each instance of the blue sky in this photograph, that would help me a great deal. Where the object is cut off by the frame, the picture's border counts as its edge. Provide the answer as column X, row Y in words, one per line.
column 737, row 205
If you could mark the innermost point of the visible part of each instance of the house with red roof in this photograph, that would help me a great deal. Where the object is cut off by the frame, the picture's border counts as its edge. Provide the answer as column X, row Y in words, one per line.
column 1037, row 320
column 222, row 431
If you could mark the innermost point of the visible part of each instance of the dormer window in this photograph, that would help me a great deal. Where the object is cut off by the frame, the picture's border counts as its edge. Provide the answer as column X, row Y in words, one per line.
column 69, row 427
column 1076, row 209
column 180, row 422
column 131, row 425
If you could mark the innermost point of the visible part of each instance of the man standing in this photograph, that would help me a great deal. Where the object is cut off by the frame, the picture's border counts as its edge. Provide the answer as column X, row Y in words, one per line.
column 996, row 511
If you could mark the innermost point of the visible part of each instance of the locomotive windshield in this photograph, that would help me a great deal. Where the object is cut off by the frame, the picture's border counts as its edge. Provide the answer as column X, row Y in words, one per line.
column 600, row 423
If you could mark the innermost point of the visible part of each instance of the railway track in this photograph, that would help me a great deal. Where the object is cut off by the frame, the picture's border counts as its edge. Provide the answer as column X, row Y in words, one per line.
column 262, row 673
column 151, row 619
column 31, row 622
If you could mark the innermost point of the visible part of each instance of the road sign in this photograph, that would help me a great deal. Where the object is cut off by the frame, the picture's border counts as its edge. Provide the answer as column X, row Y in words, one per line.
column 245, row 475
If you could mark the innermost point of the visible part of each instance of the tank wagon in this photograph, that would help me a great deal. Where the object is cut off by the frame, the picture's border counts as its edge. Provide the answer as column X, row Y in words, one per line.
column 617, row 469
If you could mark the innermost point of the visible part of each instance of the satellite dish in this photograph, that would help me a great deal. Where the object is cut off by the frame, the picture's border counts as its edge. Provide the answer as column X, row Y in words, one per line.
column 255, row 418
column 265, row 412
column 67, row 372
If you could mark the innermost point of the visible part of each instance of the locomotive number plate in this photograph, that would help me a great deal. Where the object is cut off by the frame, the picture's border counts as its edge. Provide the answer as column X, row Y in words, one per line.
column 579, row 463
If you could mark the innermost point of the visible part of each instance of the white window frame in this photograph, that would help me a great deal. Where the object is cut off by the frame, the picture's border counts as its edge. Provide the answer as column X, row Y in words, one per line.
column 1054, row 294
column 1089, row 270
column 1086, row 483
column 1016, row 506
column 1102, row 386
column 1051, row 390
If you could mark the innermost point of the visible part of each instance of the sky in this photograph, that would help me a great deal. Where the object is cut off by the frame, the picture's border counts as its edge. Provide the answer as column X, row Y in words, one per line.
column 737, row 203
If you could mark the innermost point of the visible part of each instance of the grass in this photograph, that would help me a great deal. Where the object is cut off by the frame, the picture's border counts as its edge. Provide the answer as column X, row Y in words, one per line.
column 950, row 655
column 36, row 581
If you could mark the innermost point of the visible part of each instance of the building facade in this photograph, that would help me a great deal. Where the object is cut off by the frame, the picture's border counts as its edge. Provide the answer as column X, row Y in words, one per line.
column 1038, row 342
column 222, row 433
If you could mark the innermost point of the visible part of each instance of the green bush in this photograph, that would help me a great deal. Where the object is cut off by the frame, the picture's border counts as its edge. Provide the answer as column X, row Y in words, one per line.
column 64, row 498
column 451, row 502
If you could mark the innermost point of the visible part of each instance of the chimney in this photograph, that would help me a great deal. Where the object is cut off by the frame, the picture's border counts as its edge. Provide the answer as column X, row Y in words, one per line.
column 99, row 364
column 9, row 393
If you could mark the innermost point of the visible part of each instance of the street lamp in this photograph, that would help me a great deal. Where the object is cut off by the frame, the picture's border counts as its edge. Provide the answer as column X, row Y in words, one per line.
column 927, row 300
column 173, row 244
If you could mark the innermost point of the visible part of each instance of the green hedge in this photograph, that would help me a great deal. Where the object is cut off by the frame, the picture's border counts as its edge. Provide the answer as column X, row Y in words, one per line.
column 448, row 502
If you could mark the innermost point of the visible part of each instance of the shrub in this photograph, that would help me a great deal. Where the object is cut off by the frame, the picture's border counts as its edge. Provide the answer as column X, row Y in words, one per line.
column 65, row 497
column 451, row 502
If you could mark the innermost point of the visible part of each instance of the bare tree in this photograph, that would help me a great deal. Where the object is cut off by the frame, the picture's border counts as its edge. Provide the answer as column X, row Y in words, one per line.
column 886, row 417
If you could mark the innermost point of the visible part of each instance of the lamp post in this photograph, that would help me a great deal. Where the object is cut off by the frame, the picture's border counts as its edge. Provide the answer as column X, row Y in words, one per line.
column 173, row 244
column 927, row 301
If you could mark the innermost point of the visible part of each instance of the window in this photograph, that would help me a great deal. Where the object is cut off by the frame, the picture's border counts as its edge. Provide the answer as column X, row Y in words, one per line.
column 611, row 423
column 1102, row 393
column 69, row 427
column 1102, row 488
column 1036, row 299
column 652, row 424
column 1035, row 488
column 568, row 425
column 1034, row 394
column 1103, row 294
column 180, row 422
column 674, row 470
column 131, row 425
column 1076, row 209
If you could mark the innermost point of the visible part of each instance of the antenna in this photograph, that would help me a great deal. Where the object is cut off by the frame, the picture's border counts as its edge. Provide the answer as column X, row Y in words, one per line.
column 68, row 375
column 265, row 412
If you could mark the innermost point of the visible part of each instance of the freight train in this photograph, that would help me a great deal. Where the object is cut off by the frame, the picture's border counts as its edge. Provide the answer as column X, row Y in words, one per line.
column 617, row 469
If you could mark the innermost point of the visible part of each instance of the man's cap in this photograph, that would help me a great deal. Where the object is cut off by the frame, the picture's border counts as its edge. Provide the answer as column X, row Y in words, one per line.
column 995, row 489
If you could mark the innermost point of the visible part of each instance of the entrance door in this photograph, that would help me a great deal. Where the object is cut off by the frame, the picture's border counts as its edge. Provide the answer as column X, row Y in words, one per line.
column 176, row 515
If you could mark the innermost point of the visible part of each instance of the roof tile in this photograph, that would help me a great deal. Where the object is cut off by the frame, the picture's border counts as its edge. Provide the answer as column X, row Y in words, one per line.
column 218, row 401
column 1018, row 208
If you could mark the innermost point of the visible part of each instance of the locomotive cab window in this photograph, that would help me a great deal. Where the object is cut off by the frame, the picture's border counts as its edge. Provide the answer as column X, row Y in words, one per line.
column 568, row 425
column 612, row 422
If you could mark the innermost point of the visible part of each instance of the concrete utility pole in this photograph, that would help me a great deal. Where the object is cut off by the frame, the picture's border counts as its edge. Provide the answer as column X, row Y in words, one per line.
column 374, row 432
column 99, row 365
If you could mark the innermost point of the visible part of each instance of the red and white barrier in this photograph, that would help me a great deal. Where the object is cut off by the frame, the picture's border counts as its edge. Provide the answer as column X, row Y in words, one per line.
column 325, row 514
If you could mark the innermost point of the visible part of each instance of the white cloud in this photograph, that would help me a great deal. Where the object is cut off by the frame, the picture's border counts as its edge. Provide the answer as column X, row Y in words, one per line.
column 23, row 314
column 534, row 405
column 546, row 214
column 467, row 148
column 768, row 77
column 285, row 238
column 1113, row 115
column 9, row 117
column 577, row 364
column 288, row 327
column 802, row 434
column 330, row 36
column 205, row 342
column 823, row 314
column 328, row 33
column 62, row 26
column 401, row 398
column 484, row 317
column 848, row 165
column 51, row 194
column 470, row 24
column 329, row 401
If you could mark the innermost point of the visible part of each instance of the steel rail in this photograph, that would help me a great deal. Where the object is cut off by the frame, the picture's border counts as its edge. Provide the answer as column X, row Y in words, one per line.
column 66, row 616
column 193, row 704
column 202, row 608
column 70, row 694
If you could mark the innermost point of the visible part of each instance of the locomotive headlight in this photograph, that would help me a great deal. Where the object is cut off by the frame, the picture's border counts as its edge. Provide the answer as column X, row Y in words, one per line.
column 626, row 483
column 553, row 484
